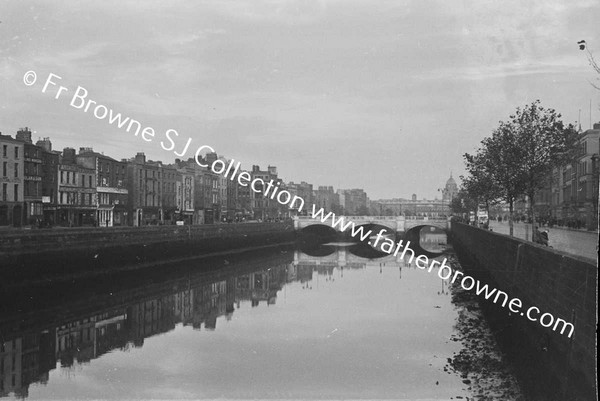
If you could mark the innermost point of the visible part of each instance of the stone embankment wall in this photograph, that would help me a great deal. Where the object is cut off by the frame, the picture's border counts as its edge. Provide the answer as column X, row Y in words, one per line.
column 39, row 254
column 555, row 282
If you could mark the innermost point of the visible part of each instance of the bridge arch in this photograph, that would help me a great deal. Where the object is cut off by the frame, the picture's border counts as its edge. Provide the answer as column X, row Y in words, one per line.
column 318, row 251
column 414, row 236
column 318, row 229
column 315, row 235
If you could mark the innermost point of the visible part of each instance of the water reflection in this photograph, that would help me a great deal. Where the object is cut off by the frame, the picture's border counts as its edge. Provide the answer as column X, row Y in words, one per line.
column 31, row 355
column 433, row 239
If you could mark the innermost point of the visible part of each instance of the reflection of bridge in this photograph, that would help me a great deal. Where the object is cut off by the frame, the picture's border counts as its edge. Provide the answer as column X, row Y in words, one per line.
column 342, row 257
column 396, row 223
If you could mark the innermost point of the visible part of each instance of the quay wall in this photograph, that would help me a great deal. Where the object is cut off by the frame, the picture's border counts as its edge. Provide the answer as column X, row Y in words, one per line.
column 558, row 283
column 48, row 254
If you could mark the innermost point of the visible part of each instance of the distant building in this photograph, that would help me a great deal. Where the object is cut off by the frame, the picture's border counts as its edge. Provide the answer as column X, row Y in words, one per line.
column 326, row 198
column 111, row 187
column 50, row 162
column 76, row 203
column 144, row 191
column 11, row 182
column 169, row 177
column 185, row 194
column 418, row 207
column 410, row 207
column 32, row 178
column 264, row 207
column 245, row 200
column 353, row 201
column 450, row 190
column 226, row 205
column 305, row 191
column 205, row 191
column 152, row 190
column 572, row 197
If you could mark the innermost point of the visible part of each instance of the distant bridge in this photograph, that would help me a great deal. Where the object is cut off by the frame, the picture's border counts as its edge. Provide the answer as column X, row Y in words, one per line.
column 399, row 224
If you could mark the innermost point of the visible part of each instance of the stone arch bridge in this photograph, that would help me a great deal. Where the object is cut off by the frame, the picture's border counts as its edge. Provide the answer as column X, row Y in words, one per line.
column 399, row 224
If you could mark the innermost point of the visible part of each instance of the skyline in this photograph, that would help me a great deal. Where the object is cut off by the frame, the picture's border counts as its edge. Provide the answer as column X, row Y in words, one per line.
column 340, row 94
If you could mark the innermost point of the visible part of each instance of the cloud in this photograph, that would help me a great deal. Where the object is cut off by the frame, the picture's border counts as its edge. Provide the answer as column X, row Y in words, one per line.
column 291, row 81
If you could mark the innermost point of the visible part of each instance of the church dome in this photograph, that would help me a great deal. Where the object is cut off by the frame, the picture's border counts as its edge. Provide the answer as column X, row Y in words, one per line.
column 451, row 183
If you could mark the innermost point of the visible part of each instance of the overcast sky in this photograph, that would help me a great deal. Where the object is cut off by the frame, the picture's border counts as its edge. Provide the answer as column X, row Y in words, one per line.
column 380, row 95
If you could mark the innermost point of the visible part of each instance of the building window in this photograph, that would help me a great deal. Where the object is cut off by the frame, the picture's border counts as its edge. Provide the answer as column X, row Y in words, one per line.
column 16, row 152
column 4, row 169
column 5, row 150
column 16, row 192
column 16, row 168
column 90, row 180
column 4, row 192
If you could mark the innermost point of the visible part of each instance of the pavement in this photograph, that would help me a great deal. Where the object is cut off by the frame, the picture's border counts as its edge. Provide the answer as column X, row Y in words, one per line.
column 581, row 243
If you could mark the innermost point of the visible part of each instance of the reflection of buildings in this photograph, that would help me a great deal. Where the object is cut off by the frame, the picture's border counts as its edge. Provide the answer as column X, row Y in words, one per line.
column 24, row 360
column 10, row 366
column 29, row 357
column 432, row 239
column 341, row 259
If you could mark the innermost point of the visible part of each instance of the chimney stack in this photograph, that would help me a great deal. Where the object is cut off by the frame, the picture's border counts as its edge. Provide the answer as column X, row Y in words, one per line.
column 24, row 135
column 45, row 143
column 68, row 156
column 140, row 158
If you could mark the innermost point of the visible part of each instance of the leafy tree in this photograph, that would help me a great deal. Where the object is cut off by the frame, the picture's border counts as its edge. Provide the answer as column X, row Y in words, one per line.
column 545, row 144
column 463, row 202
column 480, row 184
column 517, row 158
column 499, row 160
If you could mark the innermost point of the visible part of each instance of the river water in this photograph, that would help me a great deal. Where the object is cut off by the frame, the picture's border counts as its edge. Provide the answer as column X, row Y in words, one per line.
column 273, row 325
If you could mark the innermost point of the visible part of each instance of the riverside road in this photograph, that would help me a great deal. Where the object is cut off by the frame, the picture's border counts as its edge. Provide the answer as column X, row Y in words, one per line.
column 576, row 242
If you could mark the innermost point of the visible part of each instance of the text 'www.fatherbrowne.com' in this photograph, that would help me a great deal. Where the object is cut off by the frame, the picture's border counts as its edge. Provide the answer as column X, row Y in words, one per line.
column 445, row 272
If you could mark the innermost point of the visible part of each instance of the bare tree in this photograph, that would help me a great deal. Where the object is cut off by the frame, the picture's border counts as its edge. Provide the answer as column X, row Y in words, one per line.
column 590, row 56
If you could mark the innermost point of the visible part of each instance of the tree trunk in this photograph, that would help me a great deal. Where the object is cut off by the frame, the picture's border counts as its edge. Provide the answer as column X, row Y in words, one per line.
column 510, row 217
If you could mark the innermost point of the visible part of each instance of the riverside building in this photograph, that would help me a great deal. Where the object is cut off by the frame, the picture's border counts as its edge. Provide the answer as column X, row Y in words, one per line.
column 11, row 181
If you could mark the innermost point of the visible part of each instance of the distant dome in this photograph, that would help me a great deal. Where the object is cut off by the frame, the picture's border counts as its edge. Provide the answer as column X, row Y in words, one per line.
column 450, row 190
